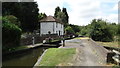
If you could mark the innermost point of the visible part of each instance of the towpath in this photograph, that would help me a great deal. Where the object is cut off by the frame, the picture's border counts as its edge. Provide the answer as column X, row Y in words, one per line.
column 89, row 53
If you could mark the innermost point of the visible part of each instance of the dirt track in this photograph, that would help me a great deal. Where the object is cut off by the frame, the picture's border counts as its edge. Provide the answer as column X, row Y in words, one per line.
column 88, row 52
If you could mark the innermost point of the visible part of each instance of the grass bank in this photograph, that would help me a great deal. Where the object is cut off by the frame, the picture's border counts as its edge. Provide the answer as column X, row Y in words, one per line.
column 58, row 57
column 109, row 44
column 82, row 38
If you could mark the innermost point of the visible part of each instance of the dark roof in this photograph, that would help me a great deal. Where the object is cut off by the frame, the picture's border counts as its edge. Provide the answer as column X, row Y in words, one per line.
column 50, row 19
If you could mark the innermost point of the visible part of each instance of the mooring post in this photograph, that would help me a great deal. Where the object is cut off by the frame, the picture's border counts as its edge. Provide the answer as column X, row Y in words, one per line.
column 33, row 40
column 63, row 41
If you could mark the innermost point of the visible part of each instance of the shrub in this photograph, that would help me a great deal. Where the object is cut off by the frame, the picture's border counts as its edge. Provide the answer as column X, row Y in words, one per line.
column 69, row 30
column 100, row 31
column 11, row 34
column 12, row 19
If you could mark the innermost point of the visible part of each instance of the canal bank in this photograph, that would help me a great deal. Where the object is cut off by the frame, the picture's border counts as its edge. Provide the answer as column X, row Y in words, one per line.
column 88, row 53
column 27, row 56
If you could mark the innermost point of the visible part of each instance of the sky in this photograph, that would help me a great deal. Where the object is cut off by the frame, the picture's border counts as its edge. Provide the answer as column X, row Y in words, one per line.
column 82, row 12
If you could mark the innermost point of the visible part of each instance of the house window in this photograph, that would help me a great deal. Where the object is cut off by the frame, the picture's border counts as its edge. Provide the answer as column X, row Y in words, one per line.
column 56, row 24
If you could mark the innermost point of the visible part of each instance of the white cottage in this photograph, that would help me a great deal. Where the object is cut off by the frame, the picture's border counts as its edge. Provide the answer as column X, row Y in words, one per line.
column 51, row 25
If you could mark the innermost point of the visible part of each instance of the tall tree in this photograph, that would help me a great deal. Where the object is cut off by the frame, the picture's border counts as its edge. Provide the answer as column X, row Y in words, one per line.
column 64, row 10
column 61, row 16
column 26, row 12
column 57, row 9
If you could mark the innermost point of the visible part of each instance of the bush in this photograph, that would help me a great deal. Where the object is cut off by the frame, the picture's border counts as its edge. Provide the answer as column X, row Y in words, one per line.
column 69, row 30
column 12, row 19
column 11, row 34
column 100, row 31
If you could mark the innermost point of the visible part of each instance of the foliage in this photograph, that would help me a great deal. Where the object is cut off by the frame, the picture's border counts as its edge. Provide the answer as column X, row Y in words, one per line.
column 69, row 30
column 42, row 15
column 11, row 34
column 76, row 28
column 26, row 12
column 62, row 15
column 116, row 67
column 12, row 19
column 64, row 10
column 100, row 31
column 84, row 32
column 57, row 9
column 0, row 17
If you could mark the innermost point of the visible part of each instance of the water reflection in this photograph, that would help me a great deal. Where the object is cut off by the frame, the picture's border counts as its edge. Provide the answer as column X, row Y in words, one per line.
column 27, row 58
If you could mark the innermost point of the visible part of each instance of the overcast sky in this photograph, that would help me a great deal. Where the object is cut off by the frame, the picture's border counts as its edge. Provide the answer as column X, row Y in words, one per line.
column 81, row 12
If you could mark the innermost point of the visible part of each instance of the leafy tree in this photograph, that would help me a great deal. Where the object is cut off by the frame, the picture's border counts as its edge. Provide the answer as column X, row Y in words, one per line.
column 26, row 12
column 57, row 9
column 100, row 31
column 42, row 15
column 83, row 32
column 61, row 16
column 113, row 28
column 64, row 10
column 11, row 34
column 12, row 19
column 69, row 30
column 76, row 28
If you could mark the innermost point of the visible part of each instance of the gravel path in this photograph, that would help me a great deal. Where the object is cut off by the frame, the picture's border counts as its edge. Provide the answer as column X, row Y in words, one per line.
column 88, row 52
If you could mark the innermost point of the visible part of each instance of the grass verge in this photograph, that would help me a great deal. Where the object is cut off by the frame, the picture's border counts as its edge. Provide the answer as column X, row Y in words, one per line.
column 57, row 56
column 109, row 44
column 82, row 38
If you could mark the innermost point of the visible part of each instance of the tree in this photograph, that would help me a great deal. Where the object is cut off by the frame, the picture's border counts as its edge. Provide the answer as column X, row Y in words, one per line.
column 100, row 31
column 12, row 19
column 11, row 34
column 57, row 9
column 69, row 30
column 42, row 15
column 61, row 16
column 26, row 12
column 76, row 28
column 64, row 10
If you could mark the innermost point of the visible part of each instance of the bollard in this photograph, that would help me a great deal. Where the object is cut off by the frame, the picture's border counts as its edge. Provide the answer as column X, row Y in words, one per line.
column 33, row 40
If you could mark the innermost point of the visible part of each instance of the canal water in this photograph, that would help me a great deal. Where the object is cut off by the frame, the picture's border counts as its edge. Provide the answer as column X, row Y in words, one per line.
column 27, row 58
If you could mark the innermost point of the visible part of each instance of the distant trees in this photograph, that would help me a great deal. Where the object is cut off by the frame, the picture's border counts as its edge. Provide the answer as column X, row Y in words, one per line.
column 57, row 9
column 62, row 15
column 64, row 10
column 100, row 31
column 41, row 16
column 76, row 28
column 69, row 30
